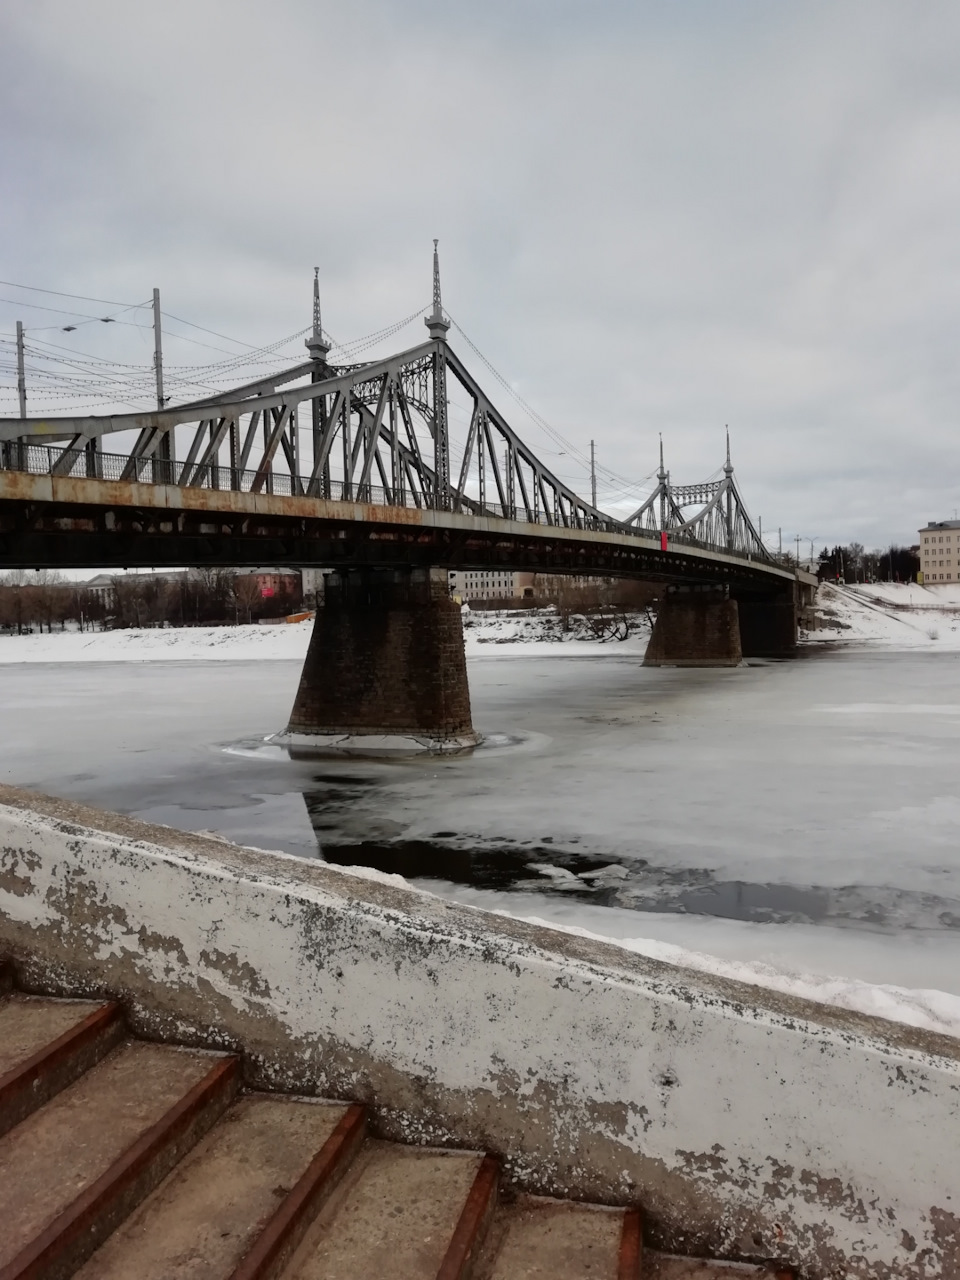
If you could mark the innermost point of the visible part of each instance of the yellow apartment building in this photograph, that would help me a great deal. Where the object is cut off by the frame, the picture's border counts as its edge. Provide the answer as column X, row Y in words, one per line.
column 940, row 551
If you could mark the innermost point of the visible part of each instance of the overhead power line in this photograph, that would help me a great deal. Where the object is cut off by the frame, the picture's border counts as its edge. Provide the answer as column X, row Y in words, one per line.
column 538, row 418
column 57, row 293
column 82, row 316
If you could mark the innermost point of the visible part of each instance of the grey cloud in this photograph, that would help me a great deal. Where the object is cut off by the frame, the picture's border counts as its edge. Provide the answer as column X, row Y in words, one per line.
column 654, row 217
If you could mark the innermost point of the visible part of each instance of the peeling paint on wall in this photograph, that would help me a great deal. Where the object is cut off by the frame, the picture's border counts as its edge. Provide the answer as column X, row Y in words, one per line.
column 747, row 1123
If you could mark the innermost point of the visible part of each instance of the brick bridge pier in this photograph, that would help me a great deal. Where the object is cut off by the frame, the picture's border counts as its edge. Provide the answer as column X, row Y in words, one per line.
column 386, row 669
column 716, row 626
column 386, row 665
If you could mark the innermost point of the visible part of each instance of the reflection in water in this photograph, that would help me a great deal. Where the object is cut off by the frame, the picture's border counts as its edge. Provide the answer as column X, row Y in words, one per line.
column 351, row 831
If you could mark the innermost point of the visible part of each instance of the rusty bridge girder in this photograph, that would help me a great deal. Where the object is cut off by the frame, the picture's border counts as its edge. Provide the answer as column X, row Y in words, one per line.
column 362, row 433
column 330, row 442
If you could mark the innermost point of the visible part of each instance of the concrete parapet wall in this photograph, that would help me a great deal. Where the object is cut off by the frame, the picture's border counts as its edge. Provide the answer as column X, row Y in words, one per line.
column 747, row 1123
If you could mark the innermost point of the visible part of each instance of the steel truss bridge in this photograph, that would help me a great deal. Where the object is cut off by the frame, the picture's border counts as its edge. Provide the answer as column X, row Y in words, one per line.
column 328, row 464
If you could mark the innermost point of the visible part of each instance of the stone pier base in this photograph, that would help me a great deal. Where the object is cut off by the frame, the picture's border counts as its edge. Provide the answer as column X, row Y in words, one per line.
column 768, row 626
column 695, row 627
column 386, row 669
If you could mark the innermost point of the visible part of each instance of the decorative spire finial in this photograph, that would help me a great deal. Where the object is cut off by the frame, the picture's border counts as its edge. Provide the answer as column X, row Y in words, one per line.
column 435, row 322
column 728, row 465
column 315, row 344
column 661, row 474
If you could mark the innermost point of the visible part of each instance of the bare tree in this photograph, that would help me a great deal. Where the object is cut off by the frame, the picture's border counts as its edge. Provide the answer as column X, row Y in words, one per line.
column 246, row 594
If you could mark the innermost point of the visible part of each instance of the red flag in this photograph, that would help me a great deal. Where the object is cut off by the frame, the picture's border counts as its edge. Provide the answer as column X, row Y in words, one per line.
column 663, row 540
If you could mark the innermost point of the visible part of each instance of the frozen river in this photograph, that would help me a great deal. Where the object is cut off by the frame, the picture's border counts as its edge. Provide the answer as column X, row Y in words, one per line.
column 803, row 815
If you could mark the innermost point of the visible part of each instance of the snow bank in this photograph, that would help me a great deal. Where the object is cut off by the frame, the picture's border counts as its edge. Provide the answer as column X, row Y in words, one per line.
column 183, row 644
column 534, row 631
column 941, row 595
column 931, row 1010
column 891, row 615
column 845, row 969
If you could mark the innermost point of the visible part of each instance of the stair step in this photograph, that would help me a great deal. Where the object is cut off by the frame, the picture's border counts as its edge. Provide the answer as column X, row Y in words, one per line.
column 205, row 1215
column 30, row 1023
column 468, row 1238
column 282, row 1234
column 536, row 1238
column 46, row 1045
column 394, row 1215
column 73, row 1170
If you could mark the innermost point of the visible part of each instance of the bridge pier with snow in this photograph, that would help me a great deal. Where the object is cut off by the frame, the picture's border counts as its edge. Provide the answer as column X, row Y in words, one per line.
column 714, row 626
column 386, row 667
column 695, row 627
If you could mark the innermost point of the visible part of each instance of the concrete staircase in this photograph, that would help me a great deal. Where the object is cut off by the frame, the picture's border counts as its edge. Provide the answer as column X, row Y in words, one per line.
column 126, row 1160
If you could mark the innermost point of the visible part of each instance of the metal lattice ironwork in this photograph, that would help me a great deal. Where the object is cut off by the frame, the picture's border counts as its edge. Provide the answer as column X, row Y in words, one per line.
column 719, row 517
column 376, row 432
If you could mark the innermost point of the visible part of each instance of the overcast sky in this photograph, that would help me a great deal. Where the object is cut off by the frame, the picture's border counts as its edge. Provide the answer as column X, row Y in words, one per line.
column 653, row 217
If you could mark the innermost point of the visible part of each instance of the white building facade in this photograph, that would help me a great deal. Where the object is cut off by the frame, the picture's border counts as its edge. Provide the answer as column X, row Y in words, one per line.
column 490, row 584
column 940, row 551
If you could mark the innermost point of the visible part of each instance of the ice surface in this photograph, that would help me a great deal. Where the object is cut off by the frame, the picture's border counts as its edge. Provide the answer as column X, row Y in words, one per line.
column 797, row 822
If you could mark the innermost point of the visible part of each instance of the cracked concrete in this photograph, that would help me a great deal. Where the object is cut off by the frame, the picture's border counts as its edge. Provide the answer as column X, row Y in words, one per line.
column 749, row 1124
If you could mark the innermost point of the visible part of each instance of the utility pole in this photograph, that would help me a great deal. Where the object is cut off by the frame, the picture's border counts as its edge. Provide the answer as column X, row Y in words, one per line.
column 798, row 551
column 593, row 475
column 21, row 374
column 780, row 541
column 166, row 447
column 157, row 349
column 9, row 452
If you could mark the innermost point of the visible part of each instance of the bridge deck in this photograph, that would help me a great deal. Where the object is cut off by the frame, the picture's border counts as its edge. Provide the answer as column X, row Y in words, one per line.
column 74, row 522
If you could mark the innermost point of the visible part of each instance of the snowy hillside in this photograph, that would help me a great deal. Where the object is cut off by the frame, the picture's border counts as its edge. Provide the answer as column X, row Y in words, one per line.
column 889, row 614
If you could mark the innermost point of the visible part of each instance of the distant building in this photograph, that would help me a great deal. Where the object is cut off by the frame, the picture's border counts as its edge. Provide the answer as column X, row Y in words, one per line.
column 311, row 584
column 485, row 585
column 272, row 583
column 490, row 584
column 103, row 590
column 940, row 551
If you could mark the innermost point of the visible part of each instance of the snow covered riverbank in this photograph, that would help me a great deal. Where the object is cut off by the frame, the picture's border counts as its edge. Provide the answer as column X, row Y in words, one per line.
column 888, row 615
column 531, row 631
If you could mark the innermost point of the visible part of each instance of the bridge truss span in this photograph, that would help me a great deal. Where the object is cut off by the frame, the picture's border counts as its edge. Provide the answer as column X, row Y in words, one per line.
column 719, row 516
column 410, row 430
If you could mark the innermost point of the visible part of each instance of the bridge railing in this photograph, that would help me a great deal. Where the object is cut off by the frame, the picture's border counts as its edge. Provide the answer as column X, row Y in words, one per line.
column 81, row 463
